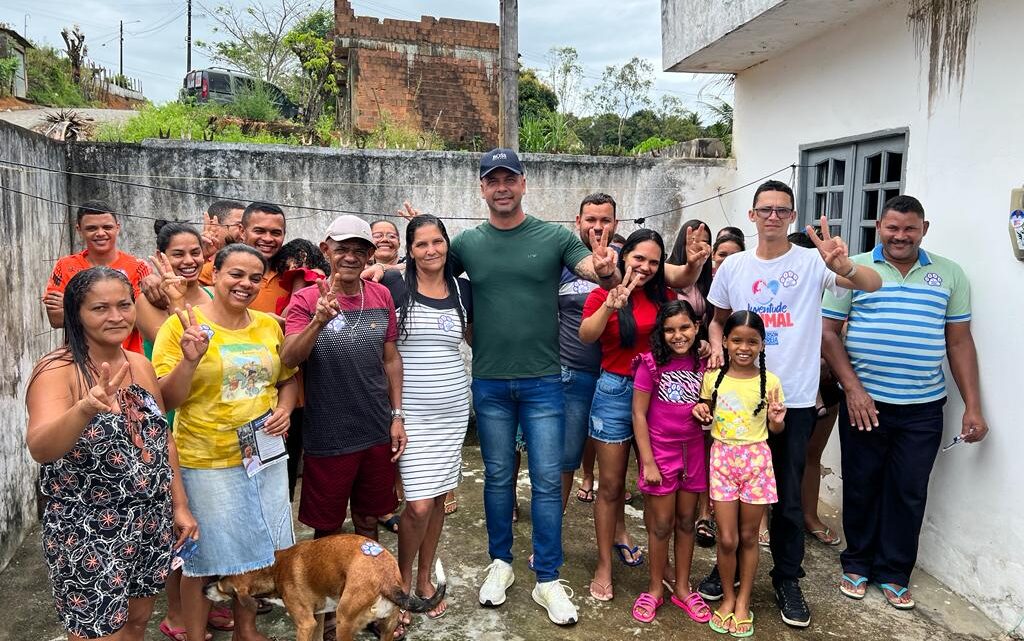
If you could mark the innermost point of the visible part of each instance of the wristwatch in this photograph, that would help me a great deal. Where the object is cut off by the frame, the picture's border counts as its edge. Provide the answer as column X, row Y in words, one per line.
column 398, row 414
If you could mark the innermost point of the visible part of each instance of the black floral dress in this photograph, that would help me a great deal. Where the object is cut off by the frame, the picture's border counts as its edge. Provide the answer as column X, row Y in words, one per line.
column 107, row 530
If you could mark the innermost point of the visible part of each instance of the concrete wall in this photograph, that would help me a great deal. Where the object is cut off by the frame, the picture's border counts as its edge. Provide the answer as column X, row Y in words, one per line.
column 376, row 182
column 30, row 243
column 964, row 156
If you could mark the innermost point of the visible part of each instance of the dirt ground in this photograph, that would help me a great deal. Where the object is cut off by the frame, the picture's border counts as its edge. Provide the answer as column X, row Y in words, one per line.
column 940, row 615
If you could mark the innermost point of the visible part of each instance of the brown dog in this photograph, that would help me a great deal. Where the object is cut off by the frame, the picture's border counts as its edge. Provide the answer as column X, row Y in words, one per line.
column 345, row 573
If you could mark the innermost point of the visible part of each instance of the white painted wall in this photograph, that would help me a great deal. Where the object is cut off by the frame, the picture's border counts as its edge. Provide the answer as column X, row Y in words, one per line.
column 963, row 159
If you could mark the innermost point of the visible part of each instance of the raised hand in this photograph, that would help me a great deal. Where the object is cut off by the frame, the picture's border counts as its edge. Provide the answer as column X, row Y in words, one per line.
column 408, row 212
column 604, row 257
column 619, row 295
column 776, row 409
column 173, row 286
column 327, row 304
column 53, row 300
column 194, row 341
column 697, row 250
column 212, row 236
column 833, row 249
column 102, row 397
column 702, row 413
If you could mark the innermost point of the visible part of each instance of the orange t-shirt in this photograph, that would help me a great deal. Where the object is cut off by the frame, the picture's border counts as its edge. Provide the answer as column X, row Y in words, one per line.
column 270, row 291
column 206, row 273
column 129, row 265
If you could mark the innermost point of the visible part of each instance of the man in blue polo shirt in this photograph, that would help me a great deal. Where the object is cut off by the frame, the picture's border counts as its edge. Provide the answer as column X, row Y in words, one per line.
column 890, row 423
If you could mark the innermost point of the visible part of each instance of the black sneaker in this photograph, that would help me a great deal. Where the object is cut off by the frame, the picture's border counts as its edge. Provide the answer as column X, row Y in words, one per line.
column 791, row 602
column 711, row 587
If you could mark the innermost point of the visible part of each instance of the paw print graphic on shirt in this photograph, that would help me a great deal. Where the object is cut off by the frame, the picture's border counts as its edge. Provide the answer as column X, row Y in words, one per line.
column 789, row 278
column 674, row 392
column 445, row 323
column 933, row 279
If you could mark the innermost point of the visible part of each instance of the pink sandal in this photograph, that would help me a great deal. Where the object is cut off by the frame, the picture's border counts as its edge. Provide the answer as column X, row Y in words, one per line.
column 694, row 607
column 645, row 608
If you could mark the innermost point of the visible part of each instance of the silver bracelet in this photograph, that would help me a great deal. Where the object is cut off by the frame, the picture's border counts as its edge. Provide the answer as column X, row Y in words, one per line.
column 853, row 270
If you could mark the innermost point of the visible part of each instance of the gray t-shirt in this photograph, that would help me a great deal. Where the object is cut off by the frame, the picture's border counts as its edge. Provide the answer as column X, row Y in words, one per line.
column 572, row 352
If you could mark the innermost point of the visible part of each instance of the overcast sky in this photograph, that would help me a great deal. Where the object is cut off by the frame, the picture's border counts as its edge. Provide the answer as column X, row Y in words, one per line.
column 604, row 33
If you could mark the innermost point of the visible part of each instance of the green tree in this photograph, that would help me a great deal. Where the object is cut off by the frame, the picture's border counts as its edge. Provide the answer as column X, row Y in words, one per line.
column 599, row 134
column 641, row 125
column 50, row 81
column 310, row 40
column 536, row 99
column 722, row 127
column 565, row 73
column 623, row 89
column 253, row 36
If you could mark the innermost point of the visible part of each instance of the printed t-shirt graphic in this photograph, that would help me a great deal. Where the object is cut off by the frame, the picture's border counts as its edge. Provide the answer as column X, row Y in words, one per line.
column 735, row 422
column 786, row 293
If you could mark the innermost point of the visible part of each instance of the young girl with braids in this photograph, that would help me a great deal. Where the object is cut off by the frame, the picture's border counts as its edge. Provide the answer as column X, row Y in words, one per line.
column 742, row 400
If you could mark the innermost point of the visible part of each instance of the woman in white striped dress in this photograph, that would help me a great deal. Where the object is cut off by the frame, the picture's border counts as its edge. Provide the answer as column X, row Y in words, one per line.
column 434, row 316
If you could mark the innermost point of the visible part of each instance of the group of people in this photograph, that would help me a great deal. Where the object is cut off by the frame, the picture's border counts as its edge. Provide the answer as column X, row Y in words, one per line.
column 705, row 362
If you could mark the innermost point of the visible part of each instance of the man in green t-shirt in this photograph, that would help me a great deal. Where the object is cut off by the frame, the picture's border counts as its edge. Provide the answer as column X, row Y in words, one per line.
column 514, row 263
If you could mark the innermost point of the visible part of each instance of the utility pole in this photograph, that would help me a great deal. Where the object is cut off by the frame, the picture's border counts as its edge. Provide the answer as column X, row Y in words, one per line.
column 508, row 78
column 120, row 69
column 188, row 39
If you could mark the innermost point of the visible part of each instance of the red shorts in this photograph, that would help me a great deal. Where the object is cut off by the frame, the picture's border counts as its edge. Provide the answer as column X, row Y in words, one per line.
column 366, row 477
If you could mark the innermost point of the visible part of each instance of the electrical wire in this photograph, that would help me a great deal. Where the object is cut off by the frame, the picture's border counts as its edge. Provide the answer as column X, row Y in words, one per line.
column 317, row 210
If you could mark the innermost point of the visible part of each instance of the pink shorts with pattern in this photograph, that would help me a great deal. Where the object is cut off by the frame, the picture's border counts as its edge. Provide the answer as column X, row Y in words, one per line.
column 743, row 473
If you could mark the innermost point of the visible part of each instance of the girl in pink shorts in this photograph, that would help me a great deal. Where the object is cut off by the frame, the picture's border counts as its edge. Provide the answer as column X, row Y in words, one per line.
column 670, row 442
column 742, row 401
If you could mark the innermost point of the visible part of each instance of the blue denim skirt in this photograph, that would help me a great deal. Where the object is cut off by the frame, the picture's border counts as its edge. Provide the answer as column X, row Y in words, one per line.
column 242, row 520
column 611, row 414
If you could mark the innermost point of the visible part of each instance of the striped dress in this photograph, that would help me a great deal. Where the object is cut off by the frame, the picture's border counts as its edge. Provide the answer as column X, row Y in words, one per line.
column 435, row 391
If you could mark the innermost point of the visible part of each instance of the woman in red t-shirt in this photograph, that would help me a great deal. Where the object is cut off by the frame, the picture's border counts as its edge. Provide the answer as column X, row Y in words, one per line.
column 622, row 319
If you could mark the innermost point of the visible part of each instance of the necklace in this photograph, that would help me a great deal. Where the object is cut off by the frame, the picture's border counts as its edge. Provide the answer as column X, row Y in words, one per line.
column 359, row 317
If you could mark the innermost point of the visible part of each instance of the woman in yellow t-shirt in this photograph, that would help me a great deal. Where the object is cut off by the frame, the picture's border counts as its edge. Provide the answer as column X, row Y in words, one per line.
column 742, row 400
column 239, row 381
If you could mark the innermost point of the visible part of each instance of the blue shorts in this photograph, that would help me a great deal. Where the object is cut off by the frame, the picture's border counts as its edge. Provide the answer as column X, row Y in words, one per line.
column 611, row 414
column 242, row 520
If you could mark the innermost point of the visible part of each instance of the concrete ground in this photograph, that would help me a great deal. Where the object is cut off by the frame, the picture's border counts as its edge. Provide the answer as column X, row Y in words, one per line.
column 940, row 615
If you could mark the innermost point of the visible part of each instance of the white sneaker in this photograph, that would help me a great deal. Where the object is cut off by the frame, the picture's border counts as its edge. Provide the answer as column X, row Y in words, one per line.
column 552, row 597
column 499, row 578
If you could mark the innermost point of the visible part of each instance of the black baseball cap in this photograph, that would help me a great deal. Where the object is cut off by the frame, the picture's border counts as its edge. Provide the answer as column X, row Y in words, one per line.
column 500, row 158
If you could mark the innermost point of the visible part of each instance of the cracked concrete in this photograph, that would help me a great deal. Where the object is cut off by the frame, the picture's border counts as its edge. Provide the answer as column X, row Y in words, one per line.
column 940, row 614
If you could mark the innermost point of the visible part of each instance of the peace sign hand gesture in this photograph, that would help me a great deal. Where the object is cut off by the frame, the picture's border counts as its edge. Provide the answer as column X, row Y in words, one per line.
column 327, row 304
column 776, row 410
column 172, row 285
column 212, row 238
column 102, row 397
column 604, row 258
column 408, row 212
column 833, row 249
column 697, row 251
column 194, row 341
column 619, row 295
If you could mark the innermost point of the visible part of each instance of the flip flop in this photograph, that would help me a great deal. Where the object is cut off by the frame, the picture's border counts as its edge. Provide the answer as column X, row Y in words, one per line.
column 391, row 524
column 645, row 608
column 434, row 614
column 607, row 588
column 764, row 539
column 826, row 536
column 749, row 632
column 177, row 634
column 452, row 506
column 221, row 613
column 634, row 552
column 721, row 628
column 694, row 607
column 585, row 495
column 706, row 531
column 891, row 593
column 855, row 583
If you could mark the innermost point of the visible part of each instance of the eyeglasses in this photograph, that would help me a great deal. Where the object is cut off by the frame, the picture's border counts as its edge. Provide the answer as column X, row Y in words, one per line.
column 783, row 213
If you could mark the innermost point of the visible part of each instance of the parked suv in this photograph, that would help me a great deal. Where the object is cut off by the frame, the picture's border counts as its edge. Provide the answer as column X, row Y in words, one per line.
column 224, row 86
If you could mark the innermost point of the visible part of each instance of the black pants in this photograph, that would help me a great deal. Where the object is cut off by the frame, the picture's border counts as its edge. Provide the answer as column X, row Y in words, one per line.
column 789, row 457
column 885, row 488
column 294, row 446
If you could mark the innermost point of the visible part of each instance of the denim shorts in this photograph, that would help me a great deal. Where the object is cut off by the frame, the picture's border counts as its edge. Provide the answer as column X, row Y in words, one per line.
column 242, row 520
column 611, row 414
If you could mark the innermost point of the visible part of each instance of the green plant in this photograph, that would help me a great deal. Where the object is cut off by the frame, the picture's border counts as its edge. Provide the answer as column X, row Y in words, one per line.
column 391, row 134
column 8, row 68
column 50, row 82
column 652, row 143
column 550, row 133
column 121, row 81
column 255, row 103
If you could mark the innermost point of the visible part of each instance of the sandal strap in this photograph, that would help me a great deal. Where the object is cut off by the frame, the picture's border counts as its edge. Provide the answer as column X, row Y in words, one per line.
column 646, row 600
column 888, row 587
column 854, row 582
column 697, row 604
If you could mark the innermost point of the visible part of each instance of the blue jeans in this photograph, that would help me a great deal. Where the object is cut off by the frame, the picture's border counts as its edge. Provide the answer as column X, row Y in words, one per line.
column 537, row 405
column 578, row 388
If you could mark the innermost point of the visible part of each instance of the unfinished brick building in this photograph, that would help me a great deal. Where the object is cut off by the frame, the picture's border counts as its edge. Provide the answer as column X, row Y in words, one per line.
column 439, row 74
